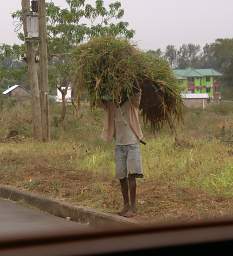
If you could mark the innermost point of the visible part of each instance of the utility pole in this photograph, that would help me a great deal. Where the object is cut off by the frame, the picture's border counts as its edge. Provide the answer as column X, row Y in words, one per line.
column 43, row 70
column 31, row 48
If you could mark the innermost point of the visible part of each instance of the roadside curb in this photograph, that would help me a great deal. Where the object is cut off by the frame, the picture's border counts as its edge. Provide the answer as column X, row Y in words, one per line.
column 82, row 215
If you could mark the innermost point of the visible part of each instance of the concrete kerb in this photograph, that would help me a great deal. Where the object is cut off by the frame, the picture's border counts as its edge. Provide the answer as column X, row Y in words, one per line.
column 80, row 214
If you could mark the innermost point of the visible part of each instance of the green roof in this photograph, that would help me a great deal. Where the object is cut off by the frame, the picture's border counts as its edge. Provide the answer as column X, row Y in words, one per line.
column 181, row 78
column 208, row 72
column 191, row 72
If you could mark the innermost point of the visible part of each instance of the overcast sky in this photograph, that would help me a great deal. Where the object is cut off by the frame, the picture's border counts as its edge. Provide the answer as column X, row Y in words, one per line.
column 157, row 22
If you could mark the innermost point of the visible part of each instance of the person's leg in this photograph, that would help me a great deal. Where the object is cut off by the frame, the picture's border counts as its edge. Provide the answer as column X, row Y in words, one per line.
column 132, row 190
column 125, row 195
column 121, row 174
column 134, row 165
column 128, row 211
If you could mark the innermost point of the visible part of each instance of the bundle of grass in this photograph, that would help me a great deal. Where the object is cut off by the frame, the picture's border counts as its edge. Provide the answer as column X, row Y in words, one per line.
column 113, row 69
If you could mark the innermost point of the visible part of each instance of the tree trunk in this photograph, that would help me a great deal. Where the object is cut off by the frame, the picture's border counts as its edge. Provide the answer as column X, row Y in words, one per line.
column 75, row 100
column 63, row 112
column 76, row 104
column 44, row 72
column 63, row 90
column 32, row 77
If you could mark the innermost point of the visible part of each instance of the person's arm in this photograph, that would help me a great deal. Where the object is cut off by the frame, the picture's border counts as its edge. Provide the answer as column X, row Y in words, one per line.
column 135, row 99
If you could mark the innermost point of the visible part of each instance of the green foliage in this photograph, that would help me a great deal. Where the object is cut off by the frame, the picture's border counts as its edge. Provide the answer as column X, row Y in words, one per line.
column 80, row 21
column 12, row 69
column 188, row 56
column 220, row 183
column 227, row 91
column 9, row 77
column 156, row 54
column 15, row 115
column 217, row 55
column 171, row 55
column 13, row 52
column 222, row 51
column 68, row 27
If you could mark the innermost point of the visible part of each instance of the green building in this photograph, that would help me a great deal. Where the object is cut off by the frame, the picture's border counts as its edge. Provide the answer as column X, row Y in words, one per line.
column 198, row 81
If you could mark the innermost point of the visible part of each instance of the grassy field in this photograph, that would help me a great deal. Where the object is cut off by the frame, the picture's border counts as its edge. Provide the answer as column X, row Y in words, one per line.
column 186, row 179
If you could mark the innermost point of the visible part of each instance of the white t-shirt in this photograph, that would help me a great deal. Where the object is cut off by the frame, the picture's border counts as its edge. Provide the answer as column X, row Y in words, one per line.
column 123, row 133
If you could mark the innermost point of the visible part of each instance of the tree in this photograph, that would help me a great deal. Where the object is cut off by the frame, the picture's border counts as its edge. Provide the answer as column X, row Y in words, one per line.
column 12, row 68
column 188, row 56
column 171, row 55
column 222, row 52
column 80, row 21
column 207, row 59
column 68, row 27
column 217, row 55
column 158, row 53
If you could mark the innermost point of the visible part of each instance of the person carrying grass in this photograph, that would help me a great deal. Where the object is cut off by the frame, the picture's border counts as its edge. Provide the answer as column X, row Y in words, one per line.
column 122, row 124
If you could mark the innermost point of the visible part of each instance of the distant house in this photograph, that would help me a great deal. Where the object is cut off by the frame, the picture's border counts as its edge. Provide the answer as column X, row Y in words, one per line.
column 195, row 100
column 17, row 91
column 67, row 98
column 197, row 84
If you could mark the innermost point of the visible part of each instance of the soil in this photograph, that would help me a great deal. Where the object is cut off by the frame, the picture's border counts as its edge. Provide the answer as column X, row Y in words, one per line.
column 157, row 202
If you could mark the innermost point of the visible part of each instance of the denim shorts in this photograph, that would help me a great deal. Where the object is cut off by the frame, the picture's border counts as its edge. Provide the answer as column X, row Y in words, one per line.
column 128, row 161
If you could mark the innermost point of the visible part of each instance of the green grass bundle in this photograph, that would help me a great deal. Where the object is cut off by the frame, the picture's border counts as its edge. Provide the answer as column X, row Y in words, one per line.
column 111, row 69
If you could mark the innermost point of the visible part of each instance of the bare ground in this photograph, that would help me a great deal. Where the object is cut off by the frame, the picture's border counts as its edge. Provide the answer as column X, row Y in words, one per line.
column 157, row 202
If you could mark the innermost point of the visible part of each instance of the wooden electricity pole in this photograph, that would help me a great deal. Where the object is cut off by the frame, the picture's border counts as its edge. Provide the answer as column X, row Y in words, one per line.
column 43, row 69
column 31, row 48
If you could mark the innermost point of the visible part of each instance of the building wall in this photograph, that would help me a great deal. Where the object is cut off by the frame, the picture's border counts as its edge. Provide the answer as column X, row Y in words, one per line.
column 201, row 85
column 67, row 98
column 210, row 82
column 197, row 81
column 19, row 93
column 195, row 103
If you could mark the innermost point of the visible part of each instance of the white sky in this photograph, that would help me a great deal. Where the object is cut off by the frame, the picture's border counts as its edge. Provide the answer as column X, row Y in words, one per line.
column 157, row 22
